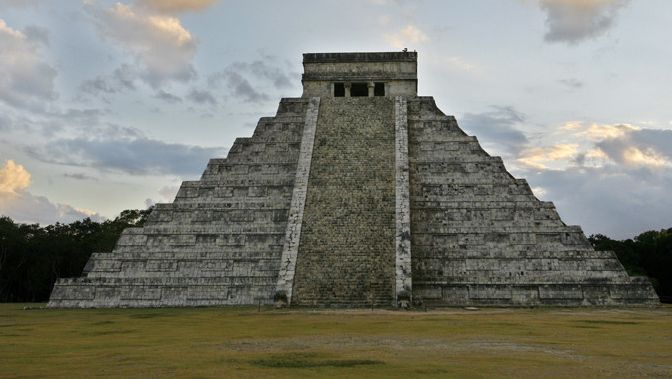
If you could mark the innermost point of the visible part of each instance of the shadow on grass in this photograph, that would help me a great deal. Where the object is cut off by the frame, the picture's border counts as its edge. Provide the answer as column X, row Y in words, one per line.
column 106, row 332
column 310, row 361
column 147, row 315
column 610, row 322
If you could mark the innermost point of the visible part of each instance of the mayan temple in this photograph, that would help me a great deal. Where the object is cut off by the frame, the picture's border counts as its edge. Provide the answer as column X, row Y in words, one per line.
column 359, row 193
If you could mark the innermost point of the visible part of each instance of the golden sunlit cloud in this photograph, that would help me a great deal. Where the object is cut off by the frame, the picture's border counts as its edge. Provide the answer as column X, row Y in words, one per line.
column 598, row 132
column 647, row 157
column 14, row 178
column 539, row 157
column 572, row 125
column 596, row 153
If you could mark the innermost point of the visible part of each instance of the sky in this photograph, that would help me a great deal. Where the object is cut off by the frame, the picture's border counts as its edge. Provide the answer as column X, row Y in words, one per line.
column 110, row 105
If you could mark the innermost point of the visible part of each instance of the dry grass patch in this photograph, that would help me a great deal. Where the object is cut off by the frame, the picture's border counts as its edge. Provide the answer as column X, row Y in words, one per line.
column 241, row 342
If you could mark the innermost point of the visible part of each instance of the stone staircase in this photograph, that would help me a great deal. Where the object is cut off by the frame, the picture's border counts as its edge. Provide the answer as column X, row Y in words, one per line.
column 346, row 254
column 218, row 243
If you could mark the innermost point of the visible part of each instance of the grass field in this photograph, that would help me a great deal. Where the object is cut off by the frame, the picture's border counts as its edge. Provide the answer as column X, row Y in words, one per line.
column 241, row 342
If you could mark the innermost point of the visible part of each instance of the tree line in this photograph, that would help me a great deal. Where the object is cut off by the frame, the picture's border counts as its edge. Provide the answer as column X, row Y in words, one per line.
column 648, row 254
column 33, row 257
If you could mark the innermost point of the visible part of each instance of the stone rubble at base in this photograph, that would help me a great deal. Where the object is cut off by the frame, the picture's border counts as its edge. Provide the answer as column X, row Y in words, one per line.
column 355, row 201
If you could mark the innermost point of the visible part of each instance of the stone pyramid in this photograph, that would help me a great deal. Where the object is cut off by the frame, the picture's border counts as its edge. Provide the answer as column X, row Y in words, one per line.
column 359, row 193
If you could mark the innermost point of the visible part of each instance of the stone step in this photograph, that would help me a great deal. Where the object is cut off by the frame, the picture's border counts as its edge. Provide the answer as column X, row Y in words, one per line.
column 347, row 239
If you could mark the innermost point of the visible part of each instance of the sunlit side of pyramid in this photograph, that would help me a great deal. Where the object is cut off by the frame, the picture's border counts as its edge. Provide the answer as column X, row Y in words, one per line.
column 358, row 193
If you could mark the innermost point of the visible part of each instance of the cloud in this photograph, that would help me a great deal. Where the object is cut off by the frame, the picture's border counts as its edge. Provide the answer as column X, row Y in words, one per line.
column 617, row 201
column 14, row 178
column 598, row 132
column 573, row 21
column 609, row 178
column 262, row 70
column 22, row 206
column 37, row 33
column 132, row 155
column 621, row 144
column 28, row 208
column 175, row 6
column 122, row 79
column 202, row 97
column 539, row 157
column 239, row 86
column 406, row 37
column 497, row 129
column 640, row 147
column 79, row 176
column 245, row 80
column 26, row 80
column 163, row 48
column 168, row 97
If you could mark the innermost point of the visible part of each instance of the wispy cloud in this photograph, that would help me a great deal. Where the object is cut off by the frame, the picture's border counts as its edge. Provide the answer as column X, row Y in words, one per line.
column 26, row 79
column 132, row 155
column 498, row 129
column 159, row 42
column 202, row 97
column 176, row 6
column 407, row 37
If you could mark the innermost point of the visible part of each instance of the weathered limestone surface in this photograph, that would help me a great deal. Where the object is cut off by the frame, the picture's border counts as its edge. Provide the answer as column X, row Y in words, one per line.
column 219, row 243
column 480, row 237
column 290, row 248
column 347, row 254
column 402, row 241
column 353, row 201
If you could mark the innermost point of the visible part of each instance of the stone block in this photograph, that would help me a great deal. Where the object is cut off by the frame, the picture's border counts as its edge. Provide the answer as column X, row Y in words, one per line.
column 560, row 291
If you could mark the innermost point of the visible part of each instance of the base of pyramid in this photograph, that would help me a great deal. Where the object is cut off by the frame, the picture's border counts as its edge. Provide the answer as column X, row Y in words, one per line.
column 146, row 293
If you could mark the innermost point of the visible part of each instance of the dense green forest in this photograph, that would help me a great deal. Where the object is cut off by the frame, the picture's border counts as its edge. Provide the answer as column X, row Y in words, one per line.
column 648, row 254
column 32, row 257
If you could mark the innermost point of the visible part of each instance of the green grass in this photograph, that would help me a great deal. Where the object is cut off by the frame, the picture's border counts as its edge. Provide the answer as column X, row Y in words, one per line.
column 241, row 342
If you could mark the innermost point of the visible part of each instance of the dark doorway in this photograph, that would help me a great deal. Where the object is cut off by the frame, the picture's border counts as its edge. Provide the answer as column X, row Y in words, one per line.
column 359, row 90
column 379, row 89
column 339, row 90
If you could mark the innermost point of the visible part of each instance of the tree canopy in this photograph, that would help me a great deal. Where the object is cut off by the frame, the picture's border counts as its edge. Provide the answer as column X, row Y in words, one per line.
column 33, row 257
column 648, row 254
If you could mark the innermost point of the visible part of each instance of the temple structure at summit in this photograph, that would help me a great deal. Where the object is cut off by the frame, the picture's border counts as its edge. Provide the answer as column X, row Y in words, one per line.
column 358, row 193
